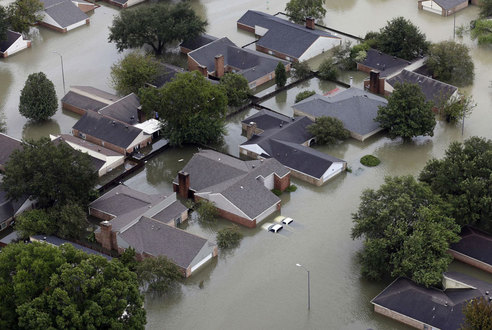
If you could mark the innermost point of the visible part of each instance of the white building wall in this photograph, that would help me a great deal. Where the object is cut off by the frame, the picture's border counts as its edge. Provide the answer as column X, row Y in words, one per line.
column 205, row 255
column 322, row 44
column 76, row 25
column 333, row 170
column 253, row 148
column 17, row 46
column 133, row 2
column 269, row 182
column 432, row 7
column 266, row 213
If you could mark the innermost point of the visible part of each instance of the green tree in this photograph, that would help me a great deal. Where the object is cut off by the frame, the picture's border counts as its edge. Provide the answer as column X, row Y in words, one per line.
column 23, row 14
column 236, row 88
column 192, row 109
column 35, row 222
column 3, row 125
column 478, row 314
column 57, row 174
column 482, row 30
column 304, row 95
column 128, row 258
column 342, row 56
column 328, row 69
column 485, row 8
column 407, row 114
column 70, row 220
column 4, row 23
column 301, row 70
column 401, row 38
column 47, row 287
column 456, row 110
column 157, row 274
column 156, row 25
column 405, row 231
column 463, row 178
column 451, row 62
column 38, row 100
column 206, row 211
column 328, row 130
column 229, row 237
column 298, row 10
column 280, row 75
column 132, row 73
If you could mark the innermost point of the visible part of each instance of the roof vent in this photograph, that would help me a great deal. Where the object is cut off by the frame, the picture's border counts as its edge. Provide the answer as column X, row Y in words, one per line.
column 261, row 160
column 219, row 159
column 44, row 238
column 280, row 124
column 126, row 126
column 241, row 187
column 253, row 166
column 293, row 119
column 487, row 293
column 394, row 57
column 132, row 117
column 490, row 298
column 113, row 123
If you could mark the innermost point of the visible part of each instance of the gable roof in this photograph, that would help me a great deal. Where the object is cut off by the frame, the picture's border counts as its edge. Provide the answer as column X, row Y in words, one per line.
column 155, row 238
column 355, row 108
column 474, row 243
column 93, row 92
column 9, row 41
column 283, row 36
column 64, row 12
column 449, row 4
column 438, row 308
column 82, row 102
column 124, row 110
column 384, row 63
column 88, row 145
column 166, row 73
column 170, row 213
column 7, row 146
column 107, row 129
column 434, row 90
column 198, row 41
column 248, row 63
column 59, row 241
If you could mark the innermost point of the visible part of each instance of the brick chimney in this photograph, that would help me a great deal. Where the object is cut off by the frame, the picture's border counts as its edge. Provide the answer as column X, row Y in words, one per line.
column 184, row 184
column 219, row 65
column 310, row 23
column 105, row 236
column 250, row 129
column 203, row 70
column 374, row 82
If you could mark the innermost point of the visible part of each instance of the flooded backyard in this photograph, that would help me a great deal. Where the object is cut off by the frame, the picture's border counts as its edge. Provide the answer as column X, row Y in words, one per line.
column 257, row 285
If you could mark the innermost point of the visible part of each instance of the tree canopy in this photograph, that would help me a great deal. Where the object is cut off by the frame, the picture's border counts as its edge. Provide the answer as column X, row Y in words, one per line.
column 405, row 231
column 298, row 10
column 478, row 314
column 485, row 8
column 23, row 14
column 132, row 73
column 463, row 178
column 456, row 109
column 57, row 174
column 4, row 23
column 328, row 69
column 401, row 38
column 301, row 70
column 328, row 130
column 157, row 274
column 407, row 114
column 451, row 62
column 191, row 108
column 229, row 237
column 47, row 287
column 156, row 25
column 280, row 75
column 482, row 31
column 206, row 211
column 236, row 88
column 38, row 100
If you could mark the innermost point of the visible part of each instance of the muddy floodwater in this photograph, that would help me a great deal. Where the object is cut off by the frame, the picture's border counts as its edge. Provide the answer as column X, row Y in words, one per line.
column 257, row 285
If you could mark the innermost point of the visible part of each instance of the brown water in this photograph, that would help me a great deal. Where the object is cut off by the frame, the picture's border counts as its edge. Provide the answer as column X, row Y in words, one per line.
column 257, row 285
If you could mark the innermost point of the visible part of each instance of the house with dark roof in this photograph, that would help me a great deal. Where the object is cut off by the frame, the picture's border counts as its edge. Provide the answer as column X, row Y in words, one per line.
column 110, row 133
column 9, row 239
column 431, row 308
column 384, row 63
column 444, row 7
column 241, row 190
column 474, row 248
column 56, row 241
column 81, row 99
column 273, row 135
column 147, row 223
column 104, row 160
column 195, row 43
column 124, row 3
column 355, row 108
column 222, row 55
column 14, row 43
column 126, row 109
column 65, row 15
column 9, row 208
column 166, row 72
column 286, row 40
column 7, row 146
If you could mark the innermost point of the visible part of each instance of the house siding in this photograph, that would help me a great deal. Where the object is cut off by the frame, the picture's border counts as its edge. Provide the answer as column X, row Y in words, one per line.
column 399, row 317
column 246, row 27
column 471, row 261
column 100, row 214
column 231, row 216
column 17, row 46
column 73, row 108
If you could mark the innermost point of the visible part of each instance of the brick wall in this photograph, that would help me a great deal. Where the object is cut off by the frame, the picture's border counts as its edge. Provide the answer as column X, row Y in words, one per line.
column 245, row 27
column 192, row 64
column 53, row 27
column 470, row 261
column 100, row 214
column 233, row 217
column 398, row 317
column 363, row 68
column 306, row 178
column 73, row 108
column 281, row 183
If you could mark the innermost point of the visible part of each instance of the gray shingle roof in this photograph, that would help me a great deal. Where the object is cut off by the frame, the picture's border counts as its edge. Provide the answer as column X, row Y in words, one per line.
column 433, row 89
column 198, row 42
column 249, row 63
column 82, row 102
column 166, row 73
column 384, row 63
column 65, row 13
column 171, row 212
column 155, row 238
column 475, row 244
column 92, row 91
column 107, row 129
column 11, row 38
column 86, row 144
column 356, row 109
column 449, row 4
column 125, row 109
column 58, row 242
column 283, row 36
column 7, row 146
column 440, row 309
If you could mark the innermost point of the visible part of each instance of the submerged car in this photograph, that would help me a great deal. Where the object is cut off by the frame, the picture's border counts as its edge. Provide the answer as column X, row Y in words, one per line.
column 287, row 221
column 275, row 228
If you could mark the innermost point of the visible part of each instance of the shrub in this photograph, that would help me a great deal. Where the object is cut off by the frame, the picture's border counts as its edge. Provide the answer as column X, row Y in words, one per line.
column 206, row 210
column 328, row 130
column 304, row 95
column 328, row 70
column 229, row 237
column 291, row 188
column 280, row 75
column 300, row 70
column 276, row 192
column 370, row 161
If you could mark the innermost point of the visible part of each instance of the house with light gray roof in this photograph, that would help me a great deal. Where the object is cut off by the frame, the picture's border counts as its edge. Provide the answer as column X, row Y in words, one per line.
column 355, row 108
column 445, row 7
column 241, row 190
column 65, row 15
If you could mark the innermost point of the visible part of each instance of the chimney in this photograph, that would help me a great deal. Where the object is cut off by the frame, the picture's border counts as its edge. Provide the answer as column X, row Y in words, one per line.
column 374, row 82
column 184, row 184
column 105, row 237
column 219, row 65
column 250, row 130
column 203, row 70
column 310, row 22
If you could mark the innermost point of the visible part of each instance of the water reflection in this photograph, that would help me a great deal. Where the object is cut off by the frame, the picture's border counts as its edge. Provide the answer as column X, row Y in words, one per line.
column 37, row 130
